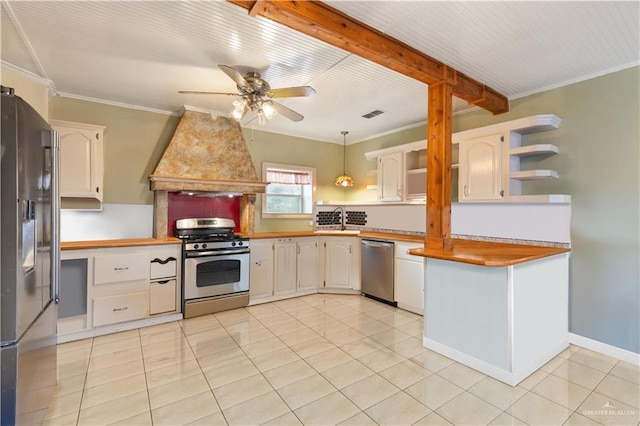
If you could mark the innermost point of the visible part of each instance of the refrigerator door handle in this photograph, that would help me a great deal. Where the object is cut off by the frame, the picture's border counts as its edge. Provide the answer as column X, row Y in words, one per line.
column 55, row 216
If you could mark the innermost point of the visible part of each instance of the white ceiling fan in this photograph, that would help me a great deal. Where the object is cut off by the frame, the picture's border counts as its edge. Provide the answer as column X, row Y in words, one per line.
column 256, row 94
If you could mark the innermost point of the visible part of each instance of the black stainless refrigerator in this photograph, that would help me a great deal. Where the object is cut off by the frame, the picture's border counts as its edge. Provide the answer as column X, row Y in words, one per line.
column 29, row 259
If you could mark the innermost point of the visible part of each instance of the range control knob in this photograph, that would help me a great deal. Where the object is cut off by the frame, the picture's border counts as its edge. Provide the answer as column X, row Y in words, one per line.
column 239, row 243
column 196, row 246
column 233, row 244
column 204, row 246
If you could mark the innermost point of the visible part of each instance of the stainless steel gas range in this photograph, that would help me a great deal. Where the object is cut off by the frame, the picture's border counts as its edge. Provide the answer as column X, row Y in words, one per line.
column 215, row 266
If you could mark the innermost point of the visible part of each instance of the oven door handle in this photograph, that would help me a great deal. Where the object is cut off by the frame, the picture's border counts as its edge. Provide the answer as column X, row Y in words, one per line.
column 216, row 253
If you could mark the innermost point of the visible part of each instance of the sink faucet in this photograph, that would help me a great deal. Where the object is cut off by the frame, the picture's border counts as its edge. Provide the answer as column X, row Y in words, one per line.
column 333, row 214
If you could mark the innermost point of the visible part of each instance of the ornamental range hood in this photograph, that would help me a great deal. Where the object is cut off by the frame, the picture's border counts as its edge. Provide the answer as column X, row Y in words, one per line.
column 207, row 154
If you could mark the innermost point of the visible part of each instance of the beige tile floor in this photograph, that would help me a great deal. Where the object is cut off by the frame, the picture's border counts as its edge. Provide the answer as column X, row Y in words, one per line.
column 320, row 359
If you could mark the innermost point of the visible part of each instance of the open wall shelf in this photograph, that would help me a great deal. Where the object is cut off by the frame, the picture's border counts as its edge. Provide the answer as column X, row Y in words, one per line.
column 534, row 150
column 534, row 175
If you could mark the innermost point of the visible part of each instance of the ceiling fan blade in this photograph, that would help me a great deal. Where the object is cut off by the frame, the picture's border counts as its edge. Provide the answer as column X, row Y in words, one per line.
column 195, row 92
column 291, row 92
column 289, row 113
column 236, row 76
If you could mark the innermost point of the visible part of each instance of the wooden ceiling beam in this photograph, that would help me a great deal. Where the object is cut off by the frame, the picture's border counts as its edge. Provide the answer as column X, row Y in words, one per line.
column 325, row 23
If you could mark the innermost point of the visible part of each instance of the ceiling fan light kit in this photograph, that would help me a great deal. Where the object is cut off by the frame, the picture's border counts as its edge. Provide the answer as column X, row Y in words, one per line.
column 344, row 180
column 253, row 89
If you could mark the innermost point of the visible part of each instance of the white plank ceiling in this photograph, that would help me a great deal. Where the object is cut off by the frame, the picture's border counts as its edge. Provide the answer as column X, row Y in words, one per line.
column 140, row 53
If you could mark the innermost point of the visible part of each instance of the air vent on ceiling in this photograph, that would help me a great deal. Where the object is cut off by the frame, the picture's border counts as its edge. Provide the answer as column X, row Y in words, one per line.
column 373, row 113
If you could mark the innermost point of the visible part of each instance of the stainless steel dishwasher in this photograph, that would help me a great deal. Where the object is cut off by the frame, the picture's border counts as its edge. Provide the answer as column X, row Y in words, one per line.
column 376, row 270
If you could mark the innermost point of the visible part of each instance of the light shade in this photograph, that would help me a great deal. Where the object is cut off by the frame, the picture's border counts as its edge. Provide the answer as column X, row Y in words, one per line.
column 344, row 180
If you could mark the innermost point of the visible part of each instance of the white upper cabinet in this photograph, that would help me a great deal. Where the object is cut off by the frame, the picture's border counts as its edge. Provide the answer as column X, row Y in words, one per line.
column 490, row 167
column 481, row 168
column 81, row 160
column 390, row 177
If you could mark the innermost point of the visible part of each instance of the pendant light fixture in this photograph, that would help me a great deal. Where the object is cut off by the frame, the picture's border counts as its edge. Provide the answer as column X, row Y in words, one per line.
column 344, row 180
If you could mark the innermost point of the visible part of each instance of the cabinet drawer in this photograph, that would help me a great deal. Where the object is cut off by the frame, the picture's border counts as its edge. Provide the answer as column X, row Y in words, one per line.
column 162, row 296
column 125, row 307
column 163, row 267
column 120, row 267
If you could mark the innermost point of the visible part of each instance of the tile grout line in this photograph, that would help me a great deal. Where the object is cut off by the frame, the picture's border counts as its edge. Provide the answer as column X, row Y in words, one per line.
column 197, row 359
column 146, row 382
column 86, row 376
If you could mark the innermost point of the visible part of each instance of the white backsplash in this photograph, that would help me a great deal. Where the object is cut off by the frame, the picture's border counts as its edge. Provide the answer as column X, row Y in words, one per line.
column 115, row 221
column 545, row 222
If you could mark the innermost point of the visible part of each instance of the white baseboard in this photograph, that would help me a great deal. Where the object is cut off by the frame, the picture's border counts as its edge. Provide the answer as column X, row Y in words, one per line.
column 508, row 377
column 605, row 349
column 484, row 367
column 115, row 328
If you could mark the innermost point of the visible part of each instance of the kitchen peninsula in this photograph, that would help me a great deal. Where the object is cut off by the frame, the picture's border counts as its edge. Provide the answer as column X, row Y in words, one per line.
column 499, row 308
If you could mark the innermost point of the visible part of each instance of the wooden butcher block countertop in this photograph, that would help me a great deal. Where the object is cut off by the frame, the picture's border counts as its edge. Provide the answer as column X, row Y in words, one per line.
column 487, row 253
column 127, row 242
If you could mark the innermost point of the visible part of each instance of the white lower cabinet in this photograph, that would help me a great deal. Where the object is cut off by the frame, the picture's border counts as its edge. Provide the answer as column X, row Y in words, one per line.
column 341, row 263
column 126, row 284
column 307, row 263
column 409, row 278
column 285, row 267
column 164, row 269
column 261, row 269
column 162, row 296
column 112, row 266
column 120, row 308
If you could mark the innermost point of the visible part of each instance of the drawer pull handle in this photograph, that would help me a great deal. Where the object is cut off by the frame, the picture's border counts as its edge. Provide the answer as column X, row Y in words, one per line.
column 124, row 268
column 163, row 282
column 120, row 309
column 164, row 262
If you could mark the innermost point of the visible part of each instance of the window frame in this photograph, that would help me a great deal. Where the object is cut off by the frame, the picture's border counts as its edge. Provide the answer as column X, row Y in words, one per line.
column 292, row 167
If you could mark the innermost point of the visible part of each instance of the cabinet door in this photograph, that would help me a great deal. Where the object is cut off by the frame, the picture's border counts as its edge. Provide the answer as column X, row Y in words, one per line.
column 261, row 271
column 338, row 263
column 162, row 296
column 285, row 268
column 390, row 177
column 481, row 168
column 81, row 172
column 409, row 278
column 307, row 263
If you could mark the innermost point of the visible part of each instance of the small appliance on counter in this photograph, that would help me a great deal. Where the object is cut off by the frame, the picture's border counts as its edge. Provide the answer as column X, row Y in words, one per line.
column 215, row 266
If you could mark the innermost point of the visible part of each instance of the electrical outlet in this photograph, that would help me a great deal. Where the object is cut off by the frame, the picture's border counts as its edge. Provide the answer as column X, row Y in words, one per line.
column 310, row 223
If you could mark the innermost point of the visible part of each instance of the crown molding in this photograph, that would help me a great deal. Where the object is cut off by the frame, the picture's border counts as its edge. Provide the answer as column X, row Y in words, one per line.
column 118, row 104
column 30, row 76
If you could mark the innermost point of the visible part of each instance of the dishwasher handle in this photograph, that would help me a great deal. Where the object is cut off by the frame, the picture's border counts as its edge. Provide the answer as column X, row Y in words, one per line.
column 374, row 243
